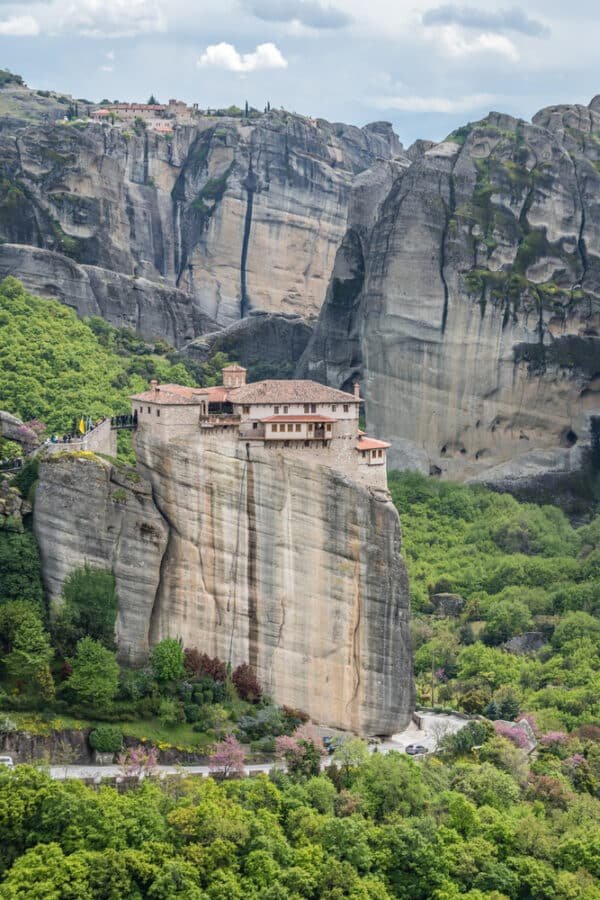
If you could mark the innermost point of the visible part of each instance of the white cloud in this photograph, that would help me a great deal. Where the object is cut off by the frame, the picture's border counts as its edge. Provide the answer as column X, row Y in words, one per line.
column 457, row 42
column 107, row 68
column 436, row 104
column 19, row 26
column 225, row 56
column 103, row 18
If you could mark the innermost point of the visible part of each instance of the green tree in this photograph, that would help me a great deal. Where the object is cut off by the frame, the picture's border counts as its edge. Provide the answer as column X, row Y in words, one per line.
column 30, row 655
column 95, row 678
column 168, row 660
column 20, row 568
column 89, row 609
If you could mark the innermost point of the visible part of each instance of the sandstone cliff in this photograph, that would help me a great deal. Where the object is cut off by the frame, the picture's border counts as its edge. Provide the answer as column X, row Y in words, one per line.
column 186, row 222
column 472, row 305
column 256, row 558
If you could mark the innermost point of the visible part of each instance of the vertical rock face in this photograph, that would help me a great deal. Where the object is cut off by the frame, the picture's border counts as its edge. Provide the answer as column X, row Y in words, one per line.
column 192, row 216
column 477, row 327
column 249, row 556
column 89, row 512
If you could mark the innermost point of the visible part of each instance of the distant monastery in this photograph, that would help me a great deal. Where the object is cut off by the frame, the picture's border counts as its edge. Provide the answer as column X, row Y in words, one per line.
column 303, row 419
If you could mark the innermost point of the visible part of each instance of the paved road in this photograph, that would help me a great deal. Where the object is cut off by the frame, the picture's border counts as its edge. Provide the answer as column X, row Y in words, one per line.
column 433, row 728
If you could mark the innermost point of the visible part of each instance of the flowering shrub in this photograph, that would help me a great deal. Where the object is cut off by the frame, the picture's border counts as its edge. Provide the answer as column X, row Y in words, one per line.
column 517, row 736
column 554, row 739
column 301, row 751
column 139, row 761
column 227, row 759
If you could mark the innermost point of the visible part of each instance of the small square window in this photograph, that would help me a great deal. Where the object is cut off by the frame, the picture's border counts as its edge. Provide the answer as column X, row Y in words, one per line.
column 255, row 425
column 290, row 427
column 276, row 410
column 333, row 407
column 329, row 427
column 246, row 410
column 306, row 407
column 345, row 407
column 298, row 427
column 313, row 407
column 273, row 427
column 285, row 409
column 282, row 427
column 310, row 426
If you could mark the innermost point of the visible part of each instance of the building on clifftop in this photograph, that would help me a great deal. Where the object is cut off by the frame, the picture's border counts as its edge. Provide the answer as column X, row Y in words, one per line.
column 298, row 418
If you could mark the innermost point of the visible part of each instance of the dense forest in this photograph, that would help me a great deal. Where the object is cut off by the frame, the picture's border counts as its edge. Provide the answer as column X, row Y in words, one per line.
column 505, row 607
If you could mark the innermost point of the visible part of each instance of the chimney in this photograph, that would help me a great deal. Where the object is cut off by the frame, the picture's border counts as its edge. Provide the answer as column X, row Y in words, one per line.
column 154, row 387
column 357, row 390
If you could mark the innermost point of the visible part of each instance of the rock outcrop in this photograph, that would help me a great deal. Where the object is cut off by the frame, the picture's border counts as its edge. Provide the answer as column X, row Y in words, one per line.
column 249, row 556
column 216, row 219
column 89, row 511
column 268, row 344
column 472, row 305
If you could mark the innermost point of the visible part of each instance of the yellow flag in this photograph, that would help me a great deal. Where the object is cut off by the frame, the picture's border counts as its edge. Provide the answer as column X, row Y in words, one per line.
column 82, row 427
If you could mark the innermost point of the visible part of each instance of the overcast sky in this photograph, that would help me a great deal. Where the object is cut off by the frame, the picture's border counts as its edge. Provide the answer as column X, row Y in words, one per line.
column 425, row 66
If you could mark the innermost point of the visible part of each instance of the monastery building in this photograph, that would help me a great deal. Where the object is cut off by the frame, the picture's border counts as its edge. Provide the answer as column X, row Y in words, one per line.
column 298, row 418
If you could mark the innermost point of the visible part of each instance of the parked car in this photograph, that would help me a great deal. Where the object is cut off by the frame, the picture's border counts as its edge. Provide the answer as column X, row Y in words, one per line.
column 416, row 749
column 7, row 761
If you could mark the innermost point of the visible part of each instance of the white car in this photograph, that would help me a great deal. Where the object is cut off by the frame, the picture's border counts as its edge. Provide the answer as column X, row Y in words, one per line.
column 7, row 761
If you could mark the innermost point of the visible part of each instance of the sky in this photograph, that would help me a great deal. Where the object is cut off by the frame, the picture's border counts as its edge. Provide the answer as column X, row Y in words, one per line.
column 425, row 66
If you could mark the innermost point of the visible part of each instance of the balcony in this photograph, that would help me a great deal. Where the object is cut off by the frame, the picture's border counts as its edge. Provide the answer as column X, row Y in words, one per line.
column 213, row 420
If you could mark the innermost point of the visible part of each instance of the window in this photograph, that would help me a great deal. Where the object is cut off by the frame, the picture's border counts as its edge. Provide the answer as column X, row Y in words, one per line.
column 141, row 409
column 298, row 427
column 148, row 410
column 333, row 407
column 310, row 426
column 255, row 425
column 306, row 407
column 276, row 410
column 273, row 427
column 363, row 453
column 329, row 427
column 307, row 443
column 285, row 409
column 282, row 427
column 246, row 410
column 380, row 453
column 345, row 407
column 158, row 412
column 313, row 407
column 290, row 427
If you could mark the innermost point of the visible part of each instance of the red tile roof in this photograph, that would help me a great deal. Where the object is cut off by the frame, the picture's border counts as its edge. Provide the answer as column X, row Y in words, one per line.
column 169, row 398
column 293, row 391
column 298, row 418
column 366, row 443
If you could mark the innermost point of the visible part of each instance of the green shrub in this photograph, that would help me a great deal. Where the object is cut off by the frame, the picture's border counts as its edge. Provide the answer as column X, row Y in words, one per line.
column 106, row 739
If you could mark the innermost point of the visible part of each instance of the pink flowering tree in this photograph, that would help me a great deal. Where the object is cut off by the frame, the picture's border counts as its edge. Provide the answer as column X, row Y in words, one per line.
column 301, row 751
column 137, row 762
column 227, row 759
column 517, row 736
column 555, row 741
